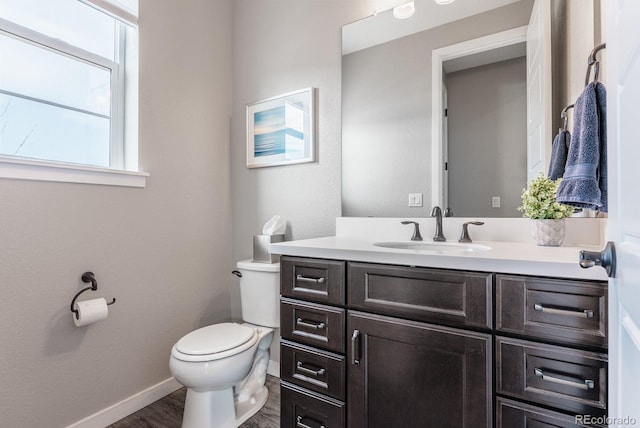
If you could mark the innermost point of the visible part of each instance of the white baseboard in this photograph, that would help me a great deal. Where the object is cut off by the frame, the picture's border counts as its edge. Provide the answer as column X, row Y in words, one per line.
column 273, row 368
column 129, row 405
column 142, row 399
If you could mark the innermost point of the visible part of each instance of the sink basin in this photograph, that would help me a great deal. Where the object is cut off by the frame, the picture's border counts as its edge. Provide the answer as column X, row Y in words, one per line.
column 434, row 247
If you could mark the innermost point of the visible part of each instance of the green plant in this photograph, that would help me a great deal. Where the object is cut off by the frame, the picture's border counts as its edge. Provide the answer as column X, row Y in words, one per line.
column 539, row 200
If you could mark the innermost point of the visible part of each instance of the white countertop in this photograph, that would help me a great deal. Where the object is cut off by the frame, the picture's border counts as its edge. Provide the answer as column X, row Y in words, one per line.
column 503, row 257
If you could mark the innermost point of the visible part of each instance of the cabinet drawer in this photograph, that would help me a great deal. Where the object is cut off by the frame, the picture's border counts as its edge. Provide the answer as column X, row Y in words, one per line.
column 315, row 280
column 311, row 368
column 312, row 324
column 568, row 379
column 561, row 310
column 511, row 414
column 300, row 408
column 421, row 294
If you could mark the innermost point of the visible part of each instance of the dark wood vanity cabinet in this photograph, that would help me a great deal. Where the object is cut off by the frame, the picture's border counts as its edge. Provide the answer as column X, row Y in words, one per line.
column 550, row 346
column 312, row 349
column 371, row 345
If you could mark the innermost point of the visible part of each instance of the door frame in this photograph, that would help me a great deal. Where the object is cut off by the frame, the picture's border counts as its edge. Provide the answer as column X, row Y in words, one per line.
column 438, row 57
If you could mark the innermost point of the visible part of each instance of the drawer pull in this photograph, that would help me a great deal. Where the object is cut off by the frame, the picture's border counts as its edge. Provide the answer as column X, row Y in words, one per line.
column 301, row 278
column 299, row 423
column 584, row 385
column 303, row 323
column 355, row 348
column 586, row 313
column 302, row 368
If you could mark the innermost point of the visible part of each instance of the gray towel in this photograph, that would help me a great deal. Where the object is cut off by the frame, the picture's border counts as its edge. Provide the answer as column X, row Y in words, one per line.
column 559, row 153
column 584, row 183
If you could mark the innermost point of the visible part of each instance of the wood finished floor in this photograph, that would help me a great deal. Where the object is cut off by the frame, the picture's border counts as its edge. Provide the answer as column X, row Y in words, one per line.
column 167, row 412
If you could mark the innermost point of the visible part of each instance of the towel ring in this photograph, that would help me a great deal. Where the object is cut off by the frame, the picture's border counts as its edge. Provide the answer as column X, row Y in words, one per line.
column 87, row 277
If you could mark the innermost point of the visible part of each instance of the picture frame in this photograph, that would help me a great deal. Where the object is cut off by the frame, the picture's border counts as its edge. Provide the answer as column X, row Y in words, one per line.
column 281, row 130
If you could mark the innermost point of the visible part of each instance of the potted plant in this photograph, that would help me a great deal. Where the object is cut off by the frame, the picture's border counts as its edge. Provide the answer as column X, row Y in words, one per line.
column 539, row 204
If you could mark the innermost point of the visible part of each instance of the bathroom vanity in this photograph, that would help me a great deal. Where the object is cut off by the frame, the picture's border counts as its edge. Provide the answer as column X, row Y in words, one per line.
column 373, row 337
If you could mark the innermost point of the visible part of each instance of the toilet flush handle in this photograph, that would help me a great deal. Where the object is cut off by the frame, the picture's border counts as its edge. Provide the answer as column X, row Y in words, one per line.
column 237, row 273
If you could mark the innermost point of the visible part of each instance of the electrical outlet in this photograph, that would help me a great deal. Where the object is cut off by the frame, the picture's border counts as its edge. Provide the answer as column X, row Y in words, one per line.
column 415, row 199
column 495, row 202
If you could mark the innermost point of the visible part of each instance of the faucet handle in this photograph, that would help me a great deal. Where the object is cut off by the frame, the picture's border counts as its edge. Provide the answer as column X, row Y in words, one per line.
column 464, row 237
column 416, row 230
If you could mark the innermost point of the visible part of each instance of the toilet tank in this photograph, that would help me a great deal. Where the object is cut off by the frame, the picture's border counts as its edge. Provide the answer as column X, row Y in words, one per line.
column 260, row 293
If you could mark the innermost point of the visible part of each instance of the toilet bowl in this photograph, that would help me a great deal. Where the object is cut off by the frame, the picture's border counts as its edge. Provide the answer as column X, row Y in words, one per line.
column 224, row 365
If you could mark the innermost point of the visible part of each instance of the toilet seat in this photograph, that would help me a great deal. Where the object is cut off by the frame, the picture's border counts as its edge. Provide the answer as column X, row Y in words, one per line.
column 215, row 342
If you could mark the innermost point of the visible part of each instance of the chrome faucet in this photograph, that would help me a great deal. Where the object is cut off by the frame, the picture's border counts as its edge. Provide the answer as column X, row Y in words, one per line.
column 437, row 213
column 416, row 230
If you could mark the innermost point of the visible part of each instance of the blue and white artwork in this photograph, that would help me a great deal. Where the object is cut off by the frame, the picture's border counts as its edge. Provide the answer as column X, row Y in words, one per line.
column 280, row 130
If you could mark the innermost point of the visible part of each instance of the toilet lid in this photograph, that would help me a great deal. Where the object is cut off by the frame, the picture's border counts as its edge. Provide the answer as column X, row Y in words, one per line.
column 214, row 339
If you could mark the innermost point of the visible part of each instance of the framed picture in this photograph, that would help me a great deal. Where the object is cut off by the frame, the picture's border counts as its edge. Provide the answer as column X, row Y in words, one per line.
column 280, row 130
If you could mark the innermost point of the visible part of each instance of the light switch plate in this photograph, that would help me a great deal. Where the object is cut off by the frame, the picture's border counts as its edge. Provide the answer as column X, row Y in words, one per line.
column 495, row 202
column 415, row 199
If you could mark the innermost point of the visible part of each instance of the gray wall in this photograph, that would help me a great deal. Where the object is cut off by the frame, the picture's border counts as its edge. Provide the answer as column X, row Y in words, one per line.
column 576, row 28
column 387, row 114
column 280, row 46
column 162, row 251
column 487, row 138
column 386, row 119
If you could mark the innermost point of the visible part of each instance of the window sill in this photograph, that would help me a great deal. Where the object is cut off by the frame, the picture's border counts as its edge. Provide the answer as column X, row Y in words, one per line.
column 29, row 169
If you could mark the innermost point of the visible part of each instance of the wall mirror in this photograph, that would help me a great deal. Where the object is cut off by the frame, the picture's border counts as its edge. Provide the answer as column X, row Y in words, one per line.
column 476, row 156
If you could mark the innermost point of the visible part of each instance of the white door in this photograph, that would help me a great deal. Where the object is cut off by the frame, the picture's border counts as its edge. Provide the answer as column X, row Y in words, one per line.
column 539, row 134
column 623, row 85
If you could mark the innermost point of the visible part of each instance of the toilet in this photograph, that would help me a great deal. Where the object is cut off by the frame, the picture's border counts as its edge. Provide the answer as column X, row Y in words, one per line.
column 224, row 366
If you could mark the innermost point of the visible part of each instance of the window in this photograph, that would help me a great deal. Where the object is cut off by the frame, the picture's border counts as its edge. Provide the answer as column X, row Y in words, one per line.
column 68, row 82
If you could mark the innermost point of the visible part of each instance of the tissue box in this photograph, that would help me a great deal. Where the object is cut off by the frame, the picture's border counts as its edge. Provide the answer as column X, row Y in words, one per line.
column 261, row 248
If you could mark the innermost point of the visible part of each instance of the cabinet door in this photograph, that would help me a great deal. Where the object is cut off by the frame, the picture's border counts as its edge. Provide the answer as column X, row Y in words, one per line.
column 411, row 374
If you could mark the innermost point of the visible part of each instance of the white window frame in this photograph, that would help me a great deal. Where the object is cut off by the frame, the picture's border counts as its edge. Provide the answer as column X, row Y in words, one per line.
column 45, row 170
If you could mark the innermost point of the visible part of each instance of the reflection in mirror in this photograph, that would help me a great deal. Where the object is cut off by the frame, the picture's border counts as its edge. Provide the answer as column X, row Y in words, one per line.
column 387, row 109
column 484, row 135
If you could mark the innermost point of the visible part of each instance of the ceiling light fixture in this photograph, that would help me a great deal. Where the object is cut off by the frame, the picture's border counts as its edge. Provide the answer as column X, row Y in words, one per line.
column 404, row 11
column 444, row 1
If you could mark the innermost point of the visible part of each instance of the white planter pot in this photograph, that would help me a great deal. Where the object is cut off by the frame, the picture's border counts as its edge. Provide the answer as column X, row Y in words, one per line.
column 549, row 233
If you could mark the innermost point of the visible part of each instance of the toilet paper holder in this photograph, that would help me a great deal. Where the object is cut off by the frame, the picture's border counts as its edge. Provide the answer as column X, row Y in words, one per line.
column 87, row 277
